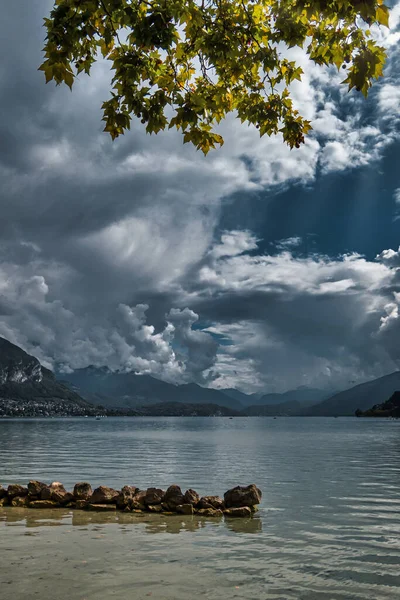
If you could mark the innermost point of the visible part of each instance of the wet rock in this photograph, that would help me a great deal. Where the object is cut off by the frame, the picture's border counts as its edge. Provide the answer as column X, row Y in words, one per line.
column 127, row 509
column 35, row 488
column 82, row 490
column 173, row 497
column 191, row 497
column 45, row 493
column 81, row 504
column 16, row 490
column 185, row 509
column 242, row 496
column 62, row 496
column 211, row 502
column 242, row 511
column 58, row 493
column 70, row 505
column 19, row 501
column 209, row 512
column 3, row 492
column 104, row 495
column 102, row 507
column 126, row 496
column 137, row 502
column 43, row 504
column 154, row 496
column 154, row 508
column 3, row 501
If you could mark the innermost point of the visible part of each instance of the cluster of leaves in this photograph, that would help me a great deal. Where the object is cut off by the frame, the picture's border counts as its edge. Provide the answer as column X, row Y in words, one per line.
column 188, row 63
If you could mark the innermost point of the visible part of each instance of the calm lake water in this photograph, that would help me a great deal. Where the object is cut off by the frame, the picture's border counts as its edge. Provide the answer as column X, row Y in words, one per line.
column 328, row 527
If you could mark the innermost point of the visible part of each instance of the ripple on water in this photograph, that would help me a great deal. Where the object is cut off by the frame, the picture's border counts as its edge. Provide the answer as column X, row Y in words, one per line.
column 329, row 526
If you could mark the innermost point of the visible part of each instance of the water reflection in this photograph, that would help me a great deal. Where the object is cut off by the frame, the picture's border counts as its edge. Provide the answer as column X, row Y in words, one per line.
column 152, row 523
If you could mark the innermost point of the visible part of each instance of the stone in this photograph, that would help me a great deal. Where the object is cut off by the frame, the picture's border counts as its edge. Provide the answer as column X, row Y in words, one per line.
column 104, row 495
column 62, row 496
column 43, row 504
column 185, row 509
column 81, row 504
column 240, row 511
column 82, row 490
column 19, row 501
column 102, row 507
column 191, row 497
column 154, row 508
column 242, row 496
column 211, row 502
column 173, row 497
column 35, row 488
column 209, row 512
column 3, row 492
column 154, row 496
column 127, row 509
column 125, row 496
column 56, row 486
column 137, row 502
column 45, row 493
column 70, row 505
column 16, row 490
column 4, row 501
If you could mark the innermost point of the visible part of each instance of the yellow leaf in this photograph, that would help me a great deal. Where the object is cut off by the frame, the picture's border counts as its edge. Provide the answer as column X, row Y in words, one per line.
column 382, row 15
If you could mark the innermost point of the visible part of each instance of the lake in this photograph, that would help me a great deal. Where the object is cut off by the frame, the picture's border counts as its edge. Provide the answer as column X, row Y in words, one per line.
column 328, row 526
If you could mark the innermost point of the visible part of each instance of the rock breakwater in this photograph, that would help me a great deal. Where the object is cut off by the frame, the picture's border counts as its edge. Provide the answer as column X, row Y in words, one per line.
column 240, row 501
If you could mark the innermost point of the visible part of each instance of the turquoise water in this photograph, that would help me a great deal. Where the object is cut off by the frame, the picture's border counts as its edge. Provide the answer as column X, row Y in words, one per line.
column 328, row 527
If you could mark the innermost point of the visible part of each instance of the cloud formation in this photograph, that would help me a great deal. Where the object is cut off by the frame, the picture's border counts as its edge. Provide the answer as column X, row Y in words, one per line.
column 111, row 253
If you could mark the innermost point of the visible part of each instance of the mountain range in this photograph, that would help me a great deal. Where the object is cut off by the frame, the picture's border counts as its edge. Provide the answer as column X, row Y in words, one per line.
column 360, row 397
column 27, row 388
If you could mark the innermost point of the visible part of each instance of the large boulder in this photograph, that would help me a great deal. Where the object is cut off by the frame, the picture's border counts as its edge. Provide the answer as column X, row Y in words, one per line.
column 59, row 494
column 154, row 496
column 45, row 493
column 240, row 511
column 191, row 497
column 185, row 509
column 19, row 501
column 35, row 488
column 173, row 497
column 62, row 496
column 3, row 492
column 16, row 490
column 242, row 496
column 82, row 490
column 211, row 502
column 104, row 495
column 126, row 496
column 137, row 502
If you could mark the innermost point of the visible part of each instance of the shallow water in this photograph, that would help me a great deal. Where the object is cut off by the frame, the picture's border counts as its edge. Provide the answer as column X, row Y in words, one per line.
column 328, row 527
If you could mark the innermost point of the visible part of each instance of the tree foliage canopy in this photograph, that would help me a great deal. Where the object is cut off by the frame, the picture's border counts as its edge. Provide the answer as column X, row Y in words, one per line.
column 188, row 63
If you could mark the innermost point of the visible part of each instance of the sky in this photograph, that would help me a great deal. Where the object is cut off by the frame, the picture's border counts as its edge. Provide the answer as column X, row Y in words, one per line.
column 255, row 267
